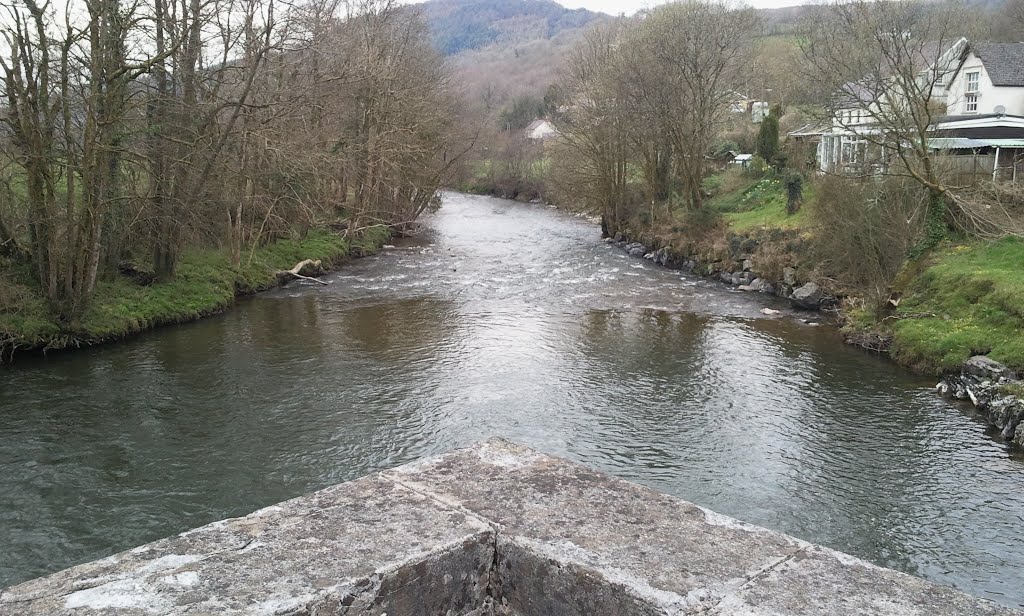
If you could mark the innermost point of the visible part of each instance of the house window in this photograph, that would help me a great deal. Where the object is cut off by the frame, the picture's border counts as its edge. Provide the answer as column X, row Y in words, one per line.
column 974, row 82
column 971, row 103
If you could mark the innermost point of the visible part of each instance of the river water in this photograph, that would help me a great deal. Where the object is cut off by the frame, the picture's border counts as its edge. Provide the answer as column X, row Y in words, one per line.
column 513, row 320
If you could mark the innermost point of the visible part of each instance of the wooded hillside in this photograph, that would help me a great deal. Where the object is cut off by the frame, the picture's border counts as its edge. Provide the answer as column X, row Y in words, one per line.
column 460, row 25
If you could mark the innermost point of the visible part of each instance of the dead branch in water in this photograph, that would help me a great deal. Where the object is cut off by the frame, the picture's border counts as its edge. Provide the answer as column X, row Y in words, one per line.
column 304, row 270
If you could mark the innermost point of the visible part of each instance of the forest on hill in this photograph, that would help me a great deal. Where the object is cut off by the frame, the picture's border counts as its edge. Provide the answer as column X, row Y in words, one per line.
column 460, row 25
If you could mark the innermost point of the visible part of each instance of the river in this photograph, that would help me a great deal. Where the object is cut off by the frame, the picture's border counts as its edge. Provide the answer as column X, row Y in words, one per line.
column 513, row 320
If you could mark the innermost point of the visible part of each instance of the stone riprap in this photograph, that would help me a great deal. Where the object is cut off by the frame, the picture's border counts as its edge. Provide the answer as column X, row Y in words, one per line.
column 994, row 390
column 496, row 529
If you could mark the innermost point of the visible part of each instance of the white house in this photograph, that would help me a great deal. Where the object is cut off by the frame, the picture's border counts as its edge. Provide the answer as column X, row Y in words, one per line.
column 989, row 80
column 980, row 86
column 541, row 129
column 759, row 110
column 738, row 103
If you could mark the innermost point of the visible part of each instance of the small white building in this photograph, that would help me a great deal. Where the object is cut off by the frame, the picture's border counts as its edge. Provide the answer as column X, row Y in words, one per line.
column 738, row 103
column 742, row 160
column 540, row 130
column 759, row 110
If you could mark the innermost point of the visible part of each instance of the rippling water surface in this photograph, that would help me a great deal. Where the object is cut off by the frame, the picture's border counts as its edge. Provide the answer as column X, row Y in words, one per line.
column 512, row 320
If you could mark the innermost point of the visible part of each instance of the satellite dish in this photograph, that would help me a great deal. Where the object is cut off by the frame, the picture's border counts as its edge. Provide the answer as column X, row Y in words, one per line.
column 1000, row 110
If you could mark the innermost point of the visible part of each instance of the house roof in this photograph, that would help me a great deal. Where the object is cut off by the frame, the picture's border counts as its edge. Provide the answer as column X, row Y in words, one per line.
column 965, row 143
column 536, row 124
column 989, row 126
column 1004, row 62
column 808, row 130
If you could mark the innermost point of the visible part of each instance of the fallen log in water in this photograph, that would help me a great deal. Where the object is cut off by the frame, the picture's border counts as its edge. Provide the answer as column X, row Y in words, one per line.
column 305, row 270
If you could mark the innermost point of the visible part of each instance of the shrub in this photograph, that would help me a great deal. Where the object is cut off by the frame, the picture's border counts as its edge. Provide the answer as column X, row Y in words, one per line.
column 768, row 138
column 866, row 231
column 757, row 167
column 794, row 183
column 702, row 220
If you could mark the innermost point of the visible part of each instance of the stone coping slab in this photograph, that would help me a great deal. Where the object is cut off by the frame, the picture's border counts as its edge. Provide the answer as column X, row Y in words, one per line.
column 496, row 529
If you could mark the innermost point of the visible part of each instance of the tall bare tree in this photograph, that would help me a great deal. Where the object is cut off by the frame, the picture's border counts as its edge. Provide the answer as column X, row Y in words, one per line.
column 592, row 156
column 887, row 65
column 702, row 49
column 147, row 128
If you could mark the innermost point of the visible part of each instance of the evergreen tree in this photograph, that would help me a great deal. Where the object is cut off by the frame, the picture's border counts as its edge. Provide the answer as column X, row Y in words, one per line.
column 768, row 137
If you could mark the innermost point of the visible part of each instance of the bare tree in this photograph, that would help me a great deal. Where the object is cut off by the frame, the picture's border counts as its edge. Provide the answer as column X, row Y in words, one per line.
column 701, row 49
column 66, row 116
column 147, row 128
column 592, row 154
column 887, row 65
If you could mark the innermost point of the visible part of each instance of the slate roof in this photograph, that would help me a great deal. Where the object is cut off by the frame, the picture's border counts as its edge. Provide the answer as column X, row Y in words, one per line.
column 1004, row 62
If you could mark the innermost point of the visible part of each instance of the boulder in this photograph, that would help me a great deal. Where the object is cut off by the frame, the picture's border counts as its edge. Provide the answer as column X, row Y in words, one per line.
column 747, row 278
column 985, row 368
column 754, row 285
column 981, row 393
column 636, row 249
column 954, row 386
column 748, row 265
column 808, row 296
column 789, row 276
column 768, row 288
column 1006, row 414
column 758, row 283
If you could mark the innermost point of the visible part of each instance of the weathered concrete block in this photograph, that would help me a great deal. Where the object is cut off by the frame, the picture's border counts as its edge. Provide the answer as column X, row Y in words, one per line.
column 571, row 513
column 371, row 546
column 535, row 581
column 493, row 530
column 821, row 581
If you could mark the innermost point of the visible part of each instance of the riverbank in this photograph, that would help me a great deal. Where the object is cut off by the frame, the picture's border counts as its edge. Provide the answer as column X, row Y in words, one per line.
column 962, row 299
column 205, row 284
column 958, row 306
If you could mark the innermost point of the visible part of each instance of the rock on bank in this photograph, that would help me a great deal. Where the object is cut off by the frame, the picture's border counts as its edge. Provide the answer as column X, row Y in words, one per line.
column 994, row 390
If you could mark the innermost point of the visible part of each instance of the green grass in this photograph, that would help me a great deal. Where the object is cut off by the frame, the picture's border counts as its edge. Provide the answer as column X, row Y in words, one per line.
column 760, row 203
column 205, row 284
column 24, row 317
column 969, row 300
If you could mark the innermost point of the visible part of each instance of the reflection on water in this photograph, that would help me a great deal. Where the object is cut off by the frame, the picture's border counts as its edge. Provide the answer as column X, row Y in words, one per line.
column 509, row 320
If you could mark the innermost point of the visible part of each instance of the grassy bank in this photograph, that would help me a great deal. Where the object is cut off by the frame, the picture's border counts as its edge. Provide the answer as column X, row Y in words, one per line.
column 206, row 284
column 962, row 299
column 750, row 204
column 966, row 299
